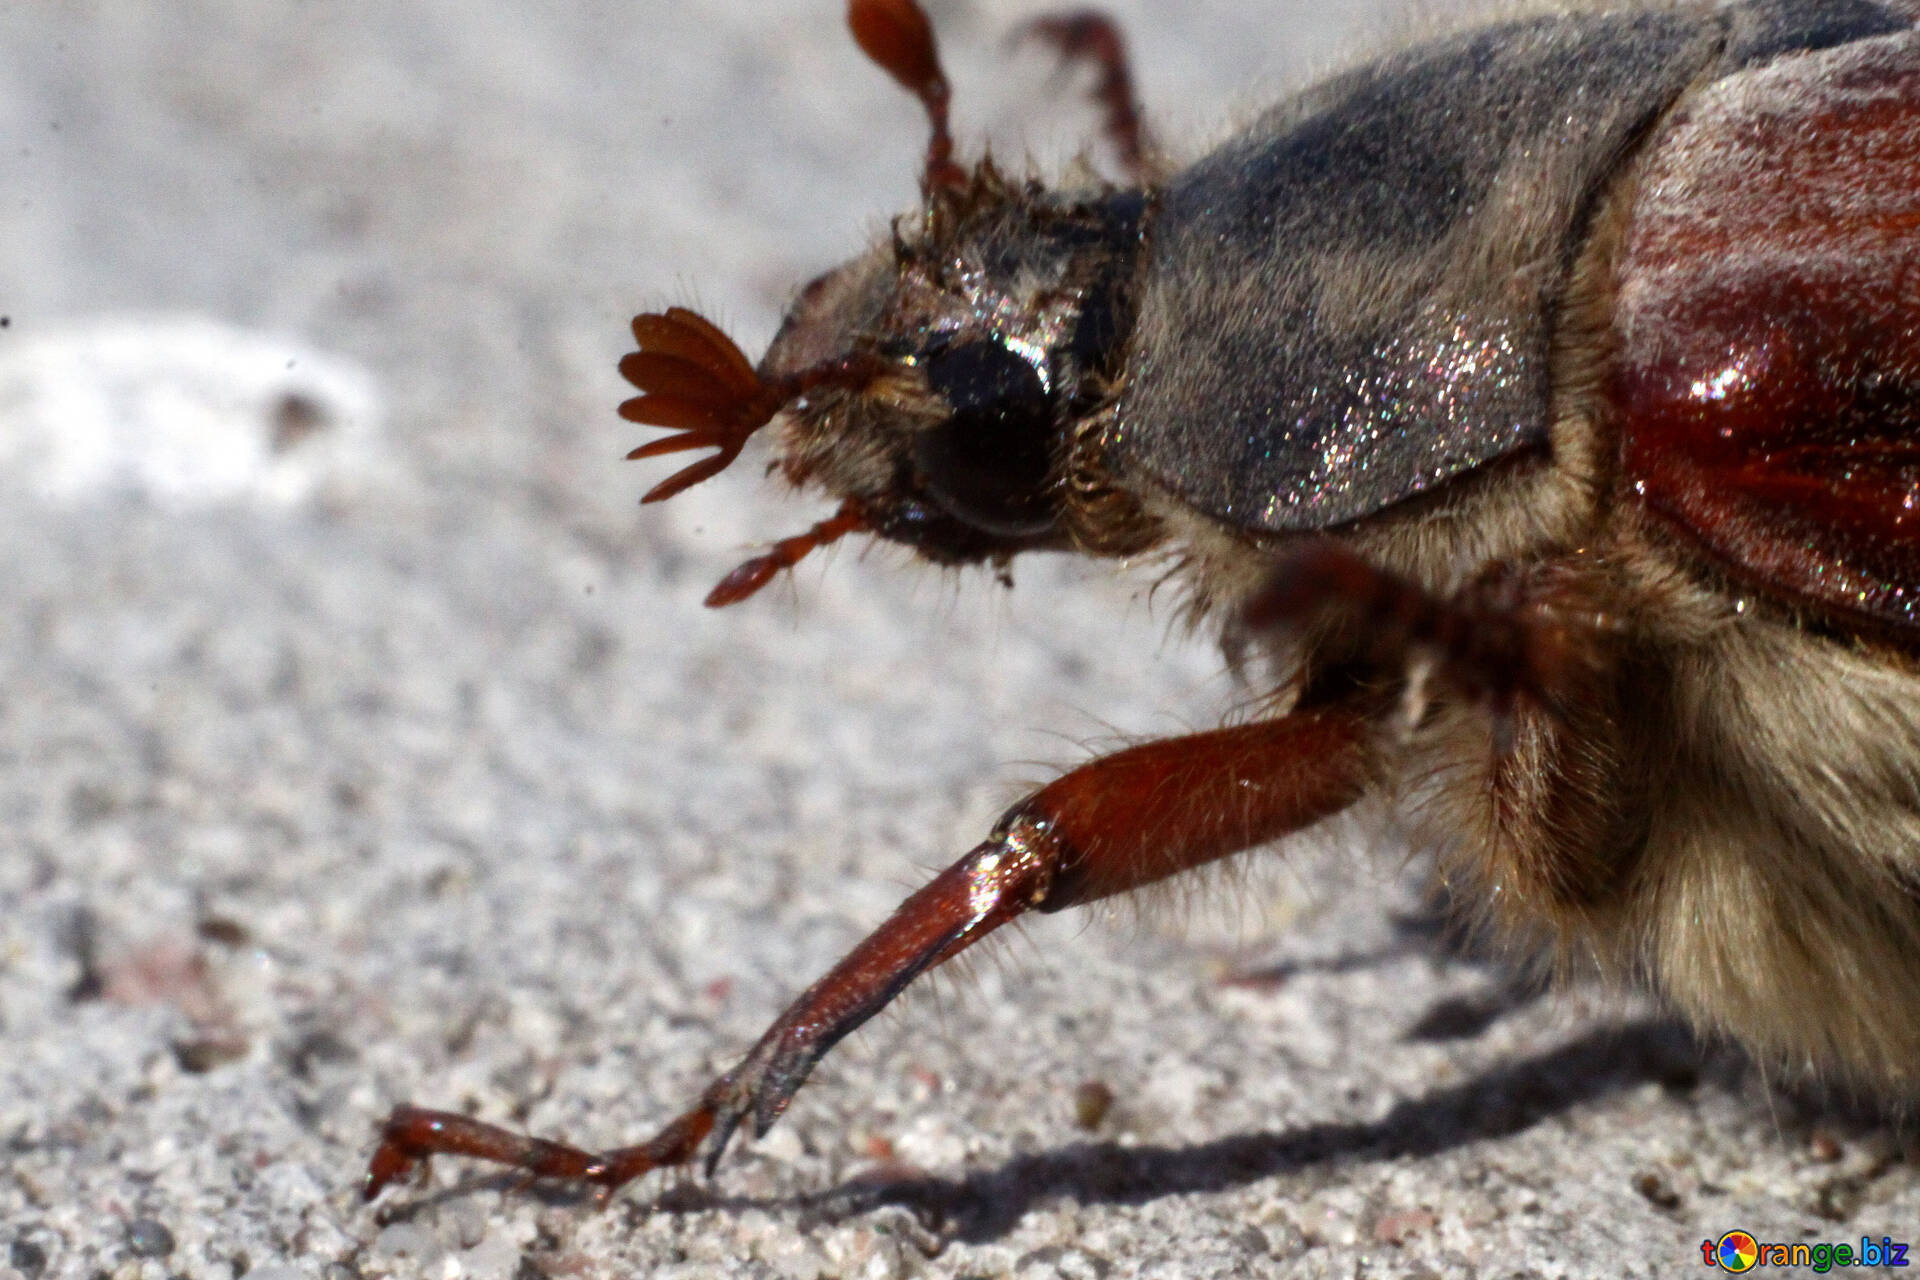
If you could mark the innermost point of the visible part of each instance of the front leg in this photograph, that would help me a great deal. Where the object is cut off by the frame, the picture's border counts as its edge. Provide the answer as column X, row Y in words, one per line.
column 1111, row 825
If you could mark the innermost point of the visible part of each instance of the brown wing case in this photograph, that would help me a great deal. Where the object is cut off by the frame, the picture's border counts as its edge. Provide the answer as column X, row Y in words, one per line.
column 1769, row 328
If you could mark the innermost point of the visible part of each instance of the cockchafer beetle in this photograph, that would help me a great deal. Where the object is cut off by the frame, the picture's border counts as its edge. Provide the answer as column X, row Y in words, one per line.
column 1544, row 401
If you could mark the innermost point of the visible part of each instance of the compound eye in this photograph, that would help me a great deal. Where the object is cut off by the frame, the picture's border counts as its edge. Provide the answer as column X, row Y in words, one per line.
column 989, row 463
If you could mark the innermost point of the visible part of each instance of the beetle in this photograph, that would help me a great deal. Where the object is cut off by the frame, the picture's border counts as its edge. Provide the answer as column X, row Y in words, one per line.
column 1542, row 401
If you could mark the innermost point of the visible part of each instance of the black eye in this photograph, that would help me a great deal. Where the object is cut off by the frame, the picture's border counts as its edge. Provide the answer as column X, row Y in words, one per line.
column 989, row 463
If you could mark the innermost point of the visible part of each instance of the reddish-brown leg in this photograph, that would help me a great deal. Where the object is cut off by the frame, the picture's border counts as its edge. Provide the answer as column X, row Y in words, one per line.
column 1087, row 35
column 1517, row 630
column 1111, row 825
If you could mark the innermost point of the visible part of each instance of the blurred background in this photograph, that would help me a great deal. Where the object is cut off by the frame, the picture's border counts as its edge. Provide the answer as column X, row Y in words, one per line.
column 361, row 741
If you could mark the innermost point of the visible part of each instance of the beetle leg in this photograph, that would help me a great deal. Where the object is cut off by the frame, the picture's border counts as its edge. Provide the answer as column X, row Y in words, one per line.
column 1113, row 824
column 756, row 573
column 1515, row 631
column 1087, row 35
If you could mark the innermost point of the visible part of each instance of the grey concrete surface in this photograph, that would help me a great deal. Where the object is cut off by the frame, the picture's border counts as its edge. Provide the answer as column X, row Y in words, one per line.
column 361, row 741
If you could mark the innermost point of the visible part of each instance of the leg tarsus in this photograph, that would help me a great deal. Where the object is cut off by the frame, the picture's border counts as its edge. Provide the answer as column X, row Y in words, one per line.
column 413, row 1135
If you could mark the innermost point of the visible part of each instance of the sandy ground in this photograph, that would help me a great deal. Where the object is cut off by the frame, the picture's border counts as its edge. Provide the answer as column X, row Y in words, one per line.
column 360, row 740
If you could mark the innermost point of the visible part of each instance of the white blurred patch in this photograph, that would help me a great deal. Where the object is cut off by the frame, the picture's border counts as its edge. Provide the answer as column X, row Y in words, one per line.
column 182, row 410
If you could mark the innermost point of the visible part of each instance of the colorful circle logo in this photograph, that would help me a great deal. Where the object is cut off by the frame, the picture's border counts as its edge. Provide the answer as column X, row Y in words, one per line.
column 1736, row 1251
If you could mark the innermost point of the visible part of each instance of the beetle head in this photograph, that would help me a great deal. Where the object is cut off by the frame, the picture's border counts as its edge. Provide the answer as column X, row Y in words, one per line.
column 933, row 384
column 990, row 325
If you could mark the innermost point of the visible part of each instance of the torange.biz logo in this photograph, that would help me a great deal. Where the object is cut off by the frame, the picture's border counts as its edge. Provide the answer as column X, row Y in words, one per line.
column 1737, row 1251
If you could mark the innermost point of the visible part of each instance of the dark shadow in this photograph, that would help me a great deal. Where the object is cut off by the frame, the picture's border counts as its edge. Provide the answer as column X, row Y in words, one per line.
column 1281, row 972
column 1468, row 1016
column 987, row 1205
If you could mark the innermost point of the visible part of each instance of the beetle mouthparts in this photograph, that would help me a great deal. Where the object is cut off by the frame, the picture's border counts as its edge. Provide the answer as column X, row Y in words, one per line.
column 695, row 381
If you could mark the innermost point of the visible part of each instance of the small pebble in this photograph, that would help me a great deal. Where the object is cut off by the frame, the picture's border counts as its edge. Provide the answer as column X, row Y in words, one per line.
column 1398, row 1227
column 227, row 932
column 149, row 1238
column 1824, row 1147
column 1092, row 1100
column 26, row 1257
column 469, row 1223
column 409, row 1240
column 1659, row 1193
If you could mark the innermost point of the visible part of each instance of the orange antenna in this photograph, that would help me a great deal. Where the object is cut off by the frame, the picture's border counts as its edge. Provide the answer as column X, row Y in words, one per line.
column 694, row 380
column 898, row 37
